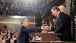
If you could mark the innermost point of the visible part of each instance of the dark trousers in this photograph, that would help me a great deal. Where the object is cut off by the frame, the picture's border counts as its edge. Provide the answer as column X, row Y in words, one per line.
column 63, row 38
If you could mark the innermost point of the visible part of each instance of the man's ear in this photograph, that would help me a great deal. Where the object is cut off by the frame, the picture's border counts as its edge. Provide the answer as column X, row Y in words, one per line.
column 55, row 10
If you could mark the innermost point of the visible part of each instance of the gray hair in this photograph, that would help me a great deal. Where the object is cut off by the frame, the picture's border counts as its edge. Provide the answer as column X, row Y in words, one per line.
column 61, row 6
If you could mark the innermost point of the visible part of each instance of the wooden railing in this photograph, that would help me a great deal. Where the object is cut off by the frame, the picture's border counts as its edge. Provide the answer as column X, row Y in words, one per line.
column 46, row 38
column 12, row 41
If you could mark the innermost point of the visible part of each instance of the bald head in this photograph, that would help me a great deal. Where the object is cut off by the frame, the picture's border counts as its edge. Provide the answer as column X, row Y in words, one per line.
column 62, row 8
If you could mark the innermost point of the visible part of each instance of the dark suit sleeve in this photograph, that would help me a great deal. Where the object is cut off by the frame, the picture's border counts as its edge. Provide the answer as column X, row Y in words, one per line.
column 38, row 30
column 52, row 29
column 29, row 30
column 61, row 23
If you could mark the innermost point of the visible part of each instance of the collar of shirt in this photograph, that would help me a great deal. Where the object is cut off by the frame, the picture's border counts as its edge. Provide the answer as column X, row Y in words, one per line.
column 41, row 27
column 58, row 13
column 65, row 12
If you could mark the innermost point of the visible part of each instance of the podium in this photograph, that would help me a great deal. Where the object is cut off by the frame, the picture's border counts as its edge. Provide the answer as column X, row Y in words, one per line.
column 52, row 42
column 46, row 36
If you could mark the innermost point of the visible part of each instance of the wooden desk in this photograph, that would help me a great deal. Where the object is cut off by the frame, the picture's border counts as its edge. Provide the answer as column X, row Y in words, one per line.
column 41, row 42
column 47, row 36
column 52, row 42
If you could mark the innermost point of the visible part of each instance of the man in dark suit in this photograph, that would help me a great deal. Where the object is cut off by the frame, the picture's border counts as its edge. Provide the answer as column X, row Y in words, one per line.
column 23, row 36
column 62, row 25
column 63, row 9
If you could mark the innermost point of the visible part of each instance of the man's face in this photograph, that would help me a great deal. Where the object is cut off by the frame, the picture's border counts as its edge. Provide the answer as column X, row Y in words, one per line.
column 26, row 22
column 54, row 12
column 46, row 28
column 9, row 31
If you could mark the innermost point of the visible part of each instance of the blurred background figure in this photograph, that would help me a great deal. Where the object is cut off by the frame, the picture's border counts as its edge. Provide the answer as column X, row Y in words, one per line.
column 54, row 20
column 62, row 9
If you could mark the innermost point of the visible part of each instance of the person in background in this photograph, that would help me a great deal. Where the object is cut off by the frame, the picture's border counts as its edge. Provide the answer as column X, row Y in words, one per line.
column 63, row 9
column 3, row 35
column 16, row 34
column 23, row 36
column 8, row 31
column 0, row 36
column 42, row 27
column 9, row 34
column 62, row 24
column 54, row 20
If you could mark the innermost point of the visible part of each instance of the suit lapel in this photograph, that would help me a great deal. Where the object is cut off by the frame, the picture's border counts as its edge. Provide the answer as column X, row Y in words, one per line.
column 57, row 19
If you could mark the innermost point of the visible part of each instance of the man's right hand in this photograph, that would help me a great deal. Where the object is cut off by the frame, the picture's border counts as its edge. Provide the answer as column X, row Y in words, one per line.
column 43, row 31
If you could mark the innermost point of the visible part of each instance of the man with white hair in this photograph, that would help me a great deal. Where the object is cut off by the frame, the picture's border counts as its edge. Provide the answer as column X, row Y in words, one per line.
column 62, row 9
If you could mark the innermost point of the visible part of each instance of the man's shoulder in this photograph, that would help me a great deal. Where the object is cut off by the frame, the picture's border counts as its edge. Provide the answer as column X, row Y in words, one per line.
column 67, row 15
column 61, row 13
column 22, row 28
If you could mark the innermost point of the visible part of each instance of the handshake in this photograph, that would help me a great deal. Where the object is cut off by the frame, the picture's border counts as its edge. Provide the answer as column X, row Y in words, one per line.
column 46, row 29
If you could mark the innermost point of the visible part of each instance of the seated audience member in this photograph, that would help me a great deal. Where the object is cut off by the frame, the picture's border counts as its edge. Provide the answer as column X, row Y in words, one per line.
column 9, row 34
column 13, row 37
column 3, row 35
column 16, row 34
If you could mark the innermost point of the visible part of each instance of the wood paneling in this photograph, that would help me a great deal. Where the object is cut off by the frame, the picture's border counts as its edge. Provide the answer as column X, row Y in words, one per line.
column 14, row 22
column 38, row 20
column 46, row 36
column 52, row 42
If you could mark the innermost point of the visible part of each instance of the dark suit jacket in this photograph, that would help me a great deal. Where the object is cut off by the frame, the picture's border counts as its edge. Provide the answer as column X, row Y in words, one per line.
column 63, row 26
column 23, row 36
